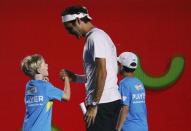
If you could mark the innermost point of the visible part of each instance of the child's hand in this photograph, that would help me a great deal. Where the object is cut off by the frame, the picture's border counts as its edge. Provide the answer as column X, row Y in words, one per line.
column 63, row 74
column 66, row 73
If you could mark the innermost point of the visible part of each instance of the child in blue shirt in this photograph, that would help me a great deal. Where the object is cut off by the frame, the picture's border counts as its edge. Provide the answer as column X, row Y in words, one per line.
column 39, row 94
column 133, row 114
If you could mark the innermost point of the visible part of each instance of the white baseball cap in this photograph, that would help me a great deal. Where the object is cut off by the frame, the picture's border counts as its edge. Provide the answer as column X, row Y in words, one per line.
column 127, row 58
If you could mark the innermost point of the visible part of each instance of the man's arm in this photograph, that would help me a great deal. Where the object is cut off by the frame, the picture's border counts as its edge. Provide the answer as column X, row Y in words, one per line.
column 101, row 74
column 122, row 116
column 80, row 78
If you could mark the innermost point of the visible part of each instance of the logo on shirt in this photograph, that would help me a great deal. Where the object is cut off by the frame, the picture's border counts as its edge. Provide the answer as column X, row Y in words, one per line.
column 32, row 90
column 138, row 98
column 138, row 87
column 48, row 106
column 34, row 100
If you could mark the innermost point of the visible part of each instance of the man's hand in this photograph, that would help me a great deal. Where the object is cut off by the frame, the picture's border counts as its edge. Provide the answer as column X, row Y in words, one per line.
column 90, row 115
column 64, row 73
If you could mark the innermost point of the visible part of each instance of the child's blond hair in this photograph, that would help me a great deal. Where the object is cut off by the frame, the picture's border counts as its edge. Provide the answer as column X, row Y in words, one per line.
column 30, row 64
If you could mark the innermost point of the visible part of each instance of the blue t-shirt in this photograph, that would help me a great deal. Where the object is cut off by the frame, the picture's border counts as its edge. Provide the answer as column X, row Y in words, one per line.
column 39, row 96
column 133, row 95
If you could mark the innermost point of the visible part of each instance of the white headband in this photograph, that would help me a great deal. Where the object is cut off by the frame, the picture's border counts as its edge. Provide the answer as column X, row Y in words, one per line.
column 67, row 18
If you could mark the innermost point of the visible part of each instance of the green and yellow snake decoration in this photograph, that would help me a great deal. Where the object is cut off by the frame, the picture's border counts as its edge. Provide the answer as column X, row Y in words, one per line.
column 174, row 72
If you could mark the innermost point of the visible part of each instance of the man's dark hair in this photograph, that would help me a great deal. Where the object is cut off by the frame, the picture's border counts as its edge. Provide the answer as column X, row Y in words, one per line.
column 76, row 10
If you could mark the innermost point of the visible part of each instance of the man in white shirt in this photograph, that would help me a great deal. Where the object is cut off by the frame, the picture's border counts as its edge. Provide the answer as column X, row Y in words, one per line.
column 100, row 65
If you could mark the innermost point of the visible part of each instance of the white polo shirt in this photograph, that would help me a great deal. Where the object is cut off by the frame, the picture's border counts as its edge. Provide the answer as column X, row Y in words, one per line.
column 99, row 45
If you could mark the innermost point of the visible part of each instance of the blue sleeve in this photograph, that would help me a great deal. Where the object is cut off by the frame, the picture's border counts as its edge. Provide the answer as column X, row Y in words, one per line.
column 53, row 92
column 125, row 94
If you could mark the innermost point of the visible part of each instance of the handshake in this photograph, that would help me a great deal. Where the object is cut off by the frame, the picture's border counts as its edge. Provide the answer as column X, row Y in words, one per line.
column 72, row 76
column 67, row 74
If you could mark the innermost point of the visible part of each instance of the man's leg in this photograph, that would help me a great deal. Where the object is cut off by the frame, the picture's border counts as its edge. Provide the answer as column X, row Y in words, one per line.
column 106, row 118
